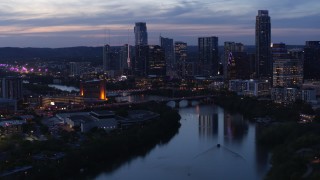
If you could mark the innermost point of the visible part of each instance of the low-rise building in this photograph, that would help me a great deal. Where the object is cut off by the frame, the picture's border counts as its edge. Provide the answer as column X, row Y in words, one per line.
column 285, row 95
column 137, row 117
column 288, row 95
column 87, row 120
column 106, row 120
column 8, row 105
column 66, row 100
column 309, row 96
column 250, row 87
column 9, row 127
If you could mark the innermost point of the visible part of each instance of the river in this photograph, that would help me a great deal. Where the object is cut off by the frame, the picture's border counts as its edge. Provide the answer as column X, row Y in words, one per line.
column 193, row 153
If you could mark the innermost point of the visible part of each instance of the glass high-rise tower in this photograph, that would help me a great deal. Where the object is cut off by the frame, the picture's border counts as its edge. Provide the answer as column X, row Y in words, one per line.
column 140, row 62
column 167, row 46
column 208, row 64
column 140, row 33
column 263, row 42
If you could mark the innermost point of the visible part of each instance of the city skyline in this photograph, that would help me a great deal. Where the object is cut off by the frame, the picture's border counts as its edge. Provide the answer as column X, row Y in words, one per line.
column 94, row 23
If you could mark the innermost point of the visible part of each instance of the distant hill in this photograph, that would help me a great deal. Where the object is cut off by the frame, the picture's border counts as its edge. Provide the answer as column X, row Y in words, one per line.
column 84, row 53
column 48, row 53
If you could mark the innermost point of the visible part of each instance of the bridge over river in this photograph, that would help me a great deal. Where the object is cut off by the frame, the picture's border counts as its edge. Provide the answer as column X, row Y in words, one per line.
column 177, row 100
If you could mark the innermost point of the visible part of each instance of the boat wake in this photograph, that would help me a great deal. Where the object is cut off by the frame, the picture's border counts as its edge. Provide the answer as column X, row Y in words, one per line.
column 219, row 147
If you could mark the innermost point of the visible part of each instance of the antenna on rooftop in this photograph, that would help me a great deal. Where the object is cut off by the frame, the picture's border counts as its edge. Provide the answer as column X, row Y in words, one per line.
column 109, row 39
column 128, row 59
column 105, row 36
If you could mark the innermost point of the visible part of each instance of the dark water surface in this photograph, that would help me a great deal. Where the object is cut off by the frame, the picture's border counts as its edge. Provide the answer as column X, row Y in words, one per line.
column 193, row 153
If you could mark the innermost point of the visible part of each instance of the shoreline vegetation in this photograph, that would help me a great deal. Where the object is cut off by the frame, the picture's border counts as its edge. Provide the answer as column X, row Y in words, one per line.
column 295, row 147
column 84, row 156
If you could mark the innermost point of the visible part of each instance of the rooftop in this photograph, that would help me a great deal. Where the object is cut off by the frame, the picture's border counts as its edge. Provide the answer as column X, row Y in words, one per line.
column 85, row 118
column 103, row 113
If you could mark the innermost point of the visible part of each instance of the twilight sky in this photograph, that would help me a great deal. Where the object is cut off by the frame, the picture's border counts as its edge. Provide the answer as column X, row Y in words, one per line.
column 65, row 23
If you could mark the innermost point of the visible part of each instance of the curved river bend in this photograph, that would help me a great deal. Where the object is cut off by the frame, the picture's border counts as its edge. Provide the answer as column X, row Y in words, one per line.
column 193, row 153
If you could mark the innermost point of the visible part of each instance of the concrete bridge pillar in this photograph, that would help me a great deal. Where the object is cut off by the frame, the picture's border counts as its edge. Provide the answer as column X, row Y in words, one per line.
column 177, row 103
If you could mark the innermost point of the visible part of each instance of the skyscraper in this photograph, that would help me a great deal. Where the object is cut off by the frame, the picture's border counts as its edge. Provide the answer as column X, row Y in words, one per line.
column 279, row 51
column 180, row 52
column 263, row 42
column 208, row 56
column 167, row 46
column 231, row 50
column 287, row 70
column 156, row 61
column 140, row 33
column 312, row 60
column 125, row 57
column 106, row 57
column 140, row 63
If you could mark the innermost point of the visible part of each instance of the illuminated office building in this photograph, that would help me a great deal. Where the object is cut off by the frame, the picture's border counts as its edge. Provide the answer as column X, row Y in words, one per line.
column 287, row 70
column 156, row 61
column 180, row 52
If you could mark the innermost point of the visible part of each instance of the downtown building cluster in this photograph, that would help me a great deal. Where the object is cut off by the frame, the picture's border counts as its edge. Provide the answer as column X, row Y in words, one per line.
column 284, row 75
column 273, row 69
column 170, row 58
column 269, row 69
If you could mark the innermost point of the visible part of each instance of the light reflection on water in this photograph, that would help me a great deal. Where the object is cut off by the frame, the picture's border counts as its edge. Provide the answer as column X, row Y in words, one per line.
column 193, row 152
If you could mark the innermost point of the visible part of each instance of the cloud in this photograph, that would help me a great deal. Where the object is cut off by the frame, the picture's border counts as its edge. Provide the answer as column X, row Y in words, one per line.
column 91, row 18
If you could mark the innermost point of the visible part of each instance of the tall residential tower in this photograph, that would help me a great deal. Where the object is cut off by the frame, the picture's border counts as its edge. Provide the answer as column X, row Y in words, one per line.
column 263, row 42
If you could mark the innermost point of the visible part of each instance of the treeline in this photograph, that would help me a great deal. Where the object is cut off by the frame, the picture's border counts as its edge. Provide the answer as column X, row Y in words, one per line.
column 293, row 147
column 49, row 53
column 252, row 107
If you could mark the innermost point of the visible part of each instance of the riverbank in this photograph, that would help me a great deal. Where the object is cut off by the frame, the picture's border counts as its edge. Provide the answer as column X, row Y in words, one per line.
column 85, row 155
column 295, row 150
column 252, row 107
column 295, row 147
